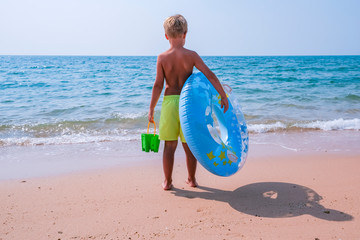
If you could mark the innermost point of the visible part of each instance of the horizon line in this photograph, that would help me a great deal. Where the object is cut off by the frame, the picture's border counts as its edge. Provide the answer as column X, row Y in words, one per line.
column 81, row 55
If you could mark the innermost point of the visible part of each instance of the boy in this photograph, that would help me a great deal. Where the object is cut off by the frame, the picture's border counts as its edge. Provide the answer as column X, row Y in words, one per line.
column 175, row 66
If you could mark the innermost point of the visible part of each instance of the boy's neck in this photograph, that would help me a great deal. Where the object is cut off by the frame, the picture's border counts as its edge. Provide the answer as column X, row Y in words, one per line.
column 178, row 42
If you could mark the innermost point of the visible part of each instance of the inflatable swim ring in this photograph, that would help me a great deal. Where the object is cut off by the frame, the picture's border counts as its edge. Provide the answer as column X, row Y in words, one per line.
column 218, row 140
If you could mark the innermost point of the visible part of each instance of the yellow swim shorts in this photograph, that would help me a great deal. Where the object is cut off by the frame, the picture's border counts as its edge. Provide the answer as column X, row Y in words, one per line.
column 170, row 128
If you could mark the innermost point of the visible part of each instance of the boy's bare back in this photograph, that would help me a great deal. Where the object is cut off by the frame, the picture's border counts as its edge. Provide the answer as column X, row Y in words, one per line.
column 176, row 65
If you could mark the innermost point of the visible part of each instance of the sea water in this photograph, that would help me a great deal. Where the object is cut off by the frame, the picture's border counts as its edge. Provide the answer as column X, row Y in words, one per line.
column 67, row 113
column 47, row 100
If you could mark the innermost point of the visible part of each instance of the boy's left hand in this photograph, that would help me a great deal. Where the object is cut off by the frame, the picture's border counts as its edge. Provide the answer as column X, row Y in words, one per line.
column 225, row 104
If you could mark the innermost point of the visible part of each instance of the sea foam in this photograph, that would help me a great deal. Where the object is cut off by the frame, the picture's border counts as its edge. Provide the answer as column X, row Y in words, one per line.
column 338, row 124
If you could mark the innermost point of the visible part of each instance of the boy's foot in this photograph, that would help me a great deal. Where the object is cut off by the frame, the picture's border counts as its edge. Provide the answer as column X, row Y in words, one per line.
column 166, row 186
column 191, row 183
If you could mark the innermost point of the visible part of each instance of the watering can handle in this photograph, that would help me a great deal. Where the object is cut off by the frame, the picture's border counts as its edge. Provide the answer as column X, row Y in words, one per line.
column 149, row 127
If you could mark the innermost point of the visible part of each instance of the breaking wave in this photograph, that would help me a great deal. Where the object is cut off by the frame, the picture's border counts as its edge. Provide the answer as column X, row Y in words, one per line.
column 129, row 128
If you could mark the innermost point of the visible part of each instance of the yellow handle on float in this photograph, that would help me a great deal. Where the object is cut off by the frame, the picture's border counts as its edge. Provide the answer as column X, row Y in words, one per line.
column 149, row 127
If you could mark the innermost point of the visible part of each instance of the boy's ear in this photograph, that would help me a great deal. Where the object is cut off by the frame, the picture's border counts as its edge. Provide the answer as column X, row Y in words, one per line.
column 166, row 36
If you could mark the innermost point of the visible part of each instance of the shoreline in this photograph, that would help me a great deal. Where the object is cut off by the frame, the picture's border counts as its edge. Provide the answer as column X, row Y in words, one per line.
column 278, row 194
column 19, row 162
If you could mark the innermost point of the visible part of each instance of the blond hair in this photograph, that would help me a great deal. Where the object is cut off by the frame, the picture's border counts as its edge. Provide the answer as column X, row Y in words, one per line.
column 175, row 26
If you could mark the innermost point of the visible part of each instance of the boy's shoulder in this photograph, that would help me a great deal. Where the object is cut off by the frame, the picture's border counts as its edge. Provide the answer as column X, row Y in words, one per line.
column 182, row 52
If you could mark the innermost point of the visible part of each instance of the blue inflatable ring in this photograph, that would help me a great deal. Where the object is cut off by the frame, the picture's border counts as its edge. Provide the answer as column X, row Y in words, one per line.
column 218, row 140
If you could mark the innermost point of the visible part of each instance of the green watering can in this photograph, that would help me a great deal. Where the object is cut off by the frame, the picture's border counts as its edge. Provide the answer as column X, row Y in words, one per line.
column 150, row 142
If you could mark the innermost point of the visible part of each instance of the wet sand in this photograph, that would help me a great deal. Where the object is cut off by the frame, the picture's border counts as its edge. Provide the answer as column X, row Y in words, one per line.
column 279, row 194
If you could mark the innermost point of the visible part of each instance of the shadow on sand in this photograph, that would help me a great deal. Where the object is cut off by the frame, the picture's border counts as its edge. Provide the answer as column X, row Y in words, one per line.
column 270, row 199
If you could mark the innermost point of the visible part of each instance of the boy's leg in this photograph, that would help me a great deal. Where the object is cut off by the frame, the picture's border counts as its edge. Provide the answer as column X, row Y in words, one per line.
column 168, row 163
column 191, row 166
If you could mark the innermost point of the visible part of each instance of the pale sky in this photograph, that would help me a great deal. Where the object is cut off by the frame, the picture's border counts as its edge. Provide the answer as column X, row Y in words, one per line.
column 134, row 27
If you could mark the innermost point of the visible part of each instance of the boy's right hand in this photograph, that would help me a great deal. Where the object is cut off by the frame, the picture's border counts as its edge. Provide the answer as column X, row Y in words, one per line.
column 151, row 116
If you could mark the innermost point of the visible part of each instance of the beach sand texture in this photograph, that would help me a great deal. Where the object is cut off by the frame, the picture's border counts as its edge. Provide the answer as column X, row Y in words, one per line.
column 278, row 194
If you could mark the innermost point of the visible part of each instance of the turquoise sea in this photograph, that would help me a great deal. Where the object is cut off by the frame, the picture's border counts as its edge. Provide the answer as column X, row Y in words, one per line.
column 55, row 100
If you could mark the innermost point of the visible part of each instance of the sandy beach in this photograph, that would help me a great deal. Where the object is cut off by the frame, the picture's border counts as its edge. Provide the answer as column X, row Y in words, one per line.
column 279, row 194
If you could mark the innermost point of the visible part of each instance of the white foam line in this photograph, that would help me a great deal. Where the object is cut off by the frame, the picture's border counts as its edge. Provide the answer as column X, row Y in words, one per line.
column 337, row 124
column 292, row 149
column 262, row 128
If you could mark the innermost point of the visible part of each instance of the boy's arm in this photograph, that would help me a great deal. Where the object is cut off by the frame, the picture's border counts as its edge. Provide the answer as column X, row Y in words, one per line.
column 157, row 88
column 199, row 64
